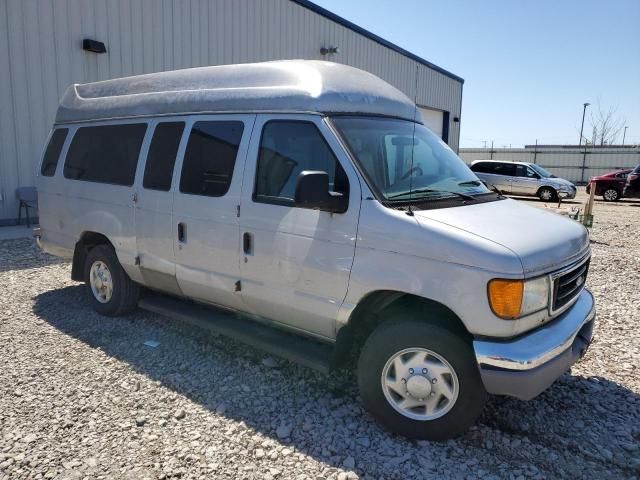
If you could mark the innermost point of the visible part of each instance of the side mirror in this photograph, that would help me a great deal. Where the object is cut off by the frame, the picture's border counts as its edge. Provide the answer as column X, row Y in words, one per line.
column 312, row 191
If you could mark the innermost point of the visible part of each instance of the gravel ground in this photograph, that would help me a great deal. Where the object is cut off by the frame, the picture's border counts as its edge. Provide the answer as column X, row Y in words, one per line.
column 81, row 396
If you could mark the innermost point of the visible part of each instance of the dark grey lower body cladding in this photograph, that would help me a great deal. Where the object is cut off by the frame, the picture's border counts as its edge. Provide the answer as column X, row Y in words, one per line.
column 296, row 348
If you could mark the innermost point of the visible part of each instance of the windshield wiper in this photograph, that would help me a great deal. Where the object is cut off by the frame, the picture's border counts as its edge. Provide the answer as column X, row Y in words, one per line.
column 464, row 196
column 475, row 183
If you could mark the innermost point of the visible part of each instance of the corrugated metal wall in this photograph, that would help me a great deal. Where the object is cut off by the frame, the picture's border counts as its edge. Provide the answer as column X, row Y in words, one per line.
column 41, row 54
column 575, row 164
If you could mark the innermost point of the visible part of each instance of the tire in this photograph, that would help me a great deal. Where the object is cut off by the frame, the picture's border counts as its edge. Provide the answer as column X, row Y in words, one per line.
column 611, row 195
column 547, row 194
column 122, row 296
column 400, row 334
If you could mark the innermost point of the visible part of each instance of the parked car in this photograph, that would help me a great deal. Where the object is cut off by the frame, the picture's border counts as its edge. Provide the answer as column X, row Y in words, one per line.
column 632, row 186
column 610, row 185
column 524, row 179
column 312, row 206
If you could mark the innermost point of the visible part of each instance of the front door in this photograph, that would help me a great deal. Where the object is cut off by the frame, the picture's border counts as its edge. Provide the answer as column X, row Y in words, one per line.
column 154, row 206
column 296, row 262
column 205, row 210
column 525, row 182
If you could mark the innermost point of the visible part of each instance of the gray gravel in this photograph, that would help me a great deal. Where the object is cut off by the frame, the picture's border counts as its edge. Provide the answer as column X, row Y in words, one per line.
column 81, row 396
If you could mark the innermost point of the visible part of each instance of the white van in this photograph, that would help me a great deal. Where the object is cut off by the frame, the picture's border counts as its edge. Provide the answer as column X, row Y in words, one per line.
column 308, row 202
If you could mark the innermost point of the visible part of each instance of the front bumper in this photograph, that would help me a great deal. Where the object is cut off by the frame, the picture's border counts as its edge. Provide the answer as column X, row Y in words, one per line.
column 526, row 366
column 567, row 194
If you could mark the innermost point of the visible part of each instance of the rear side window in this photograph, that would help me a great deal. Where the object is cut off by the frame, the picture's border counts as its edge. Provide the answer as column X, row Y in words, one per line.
column 162, row 155
column 52, row 153
column 286, row 149
column 210, row 157
column 480, row 167
column 105, row 154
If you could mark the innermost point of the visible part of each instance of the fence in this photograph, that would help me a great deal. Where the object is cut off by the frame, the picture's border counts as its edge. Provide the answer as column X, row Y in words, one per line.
column 576, row 164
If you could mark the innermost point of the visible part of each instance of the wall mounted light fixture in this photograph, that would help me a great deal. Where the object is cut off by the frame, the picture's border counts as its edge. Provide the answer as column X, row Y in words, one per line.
column 93, row 46
column 329, row 50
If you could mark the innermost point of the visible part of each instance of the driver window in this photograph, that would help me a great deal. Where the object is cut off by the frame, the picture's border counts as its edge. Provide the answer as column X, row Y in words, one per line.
column 286, row 149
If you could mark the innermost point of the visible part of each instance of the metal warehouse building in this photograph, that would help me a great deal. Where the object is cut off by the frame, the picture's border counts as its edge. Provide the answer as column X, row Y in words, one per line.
column 42, row 51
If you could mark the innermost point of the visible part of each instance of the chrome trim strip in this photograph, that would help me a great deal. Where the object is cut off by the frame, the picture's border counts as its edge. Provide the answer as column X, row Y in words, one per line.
column 540, row 345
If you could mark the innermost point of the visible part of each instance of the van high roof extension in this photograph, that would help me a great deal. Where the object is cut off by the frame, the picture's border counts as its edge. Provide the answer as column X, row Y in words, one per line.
column 282, row 86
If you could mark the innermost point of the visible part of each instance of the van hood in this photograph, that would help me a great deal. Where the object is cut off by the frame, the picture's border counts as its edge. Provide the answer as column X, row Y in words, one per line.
column 543, row 240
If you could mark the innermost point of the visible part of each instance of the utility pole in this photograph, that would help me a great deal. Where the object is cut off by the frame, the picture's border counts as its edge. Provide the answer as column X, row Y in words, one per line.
column 491, row 150
column 485, row 144
column 624, row 135
column 535, row 151
column 584, row 109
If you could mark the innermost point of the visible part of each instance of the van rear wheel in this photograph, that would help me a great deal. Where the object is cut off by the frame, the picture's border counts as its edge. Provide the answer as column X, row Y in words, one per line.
column 420, row 380
column 111, row 291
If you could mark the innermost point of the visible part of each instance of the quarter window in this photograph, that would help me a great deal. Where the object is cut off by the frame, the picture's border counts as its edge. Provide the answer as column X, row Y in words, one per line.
column 162, row 155
column 52, row 153
column 286, row 149
column 210, row 157
column 105, row 154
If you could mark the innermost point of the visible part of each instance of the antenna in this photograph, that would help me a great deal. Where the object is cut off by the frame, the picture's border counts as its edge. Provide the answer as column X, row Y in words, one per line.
column 413, row 139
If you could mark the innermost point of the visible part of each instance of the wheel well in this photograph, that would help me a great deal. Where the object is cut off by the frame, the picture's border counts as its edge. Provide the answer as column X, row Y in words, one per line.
column 377, row 307
column 87, row 241
column 546, row 186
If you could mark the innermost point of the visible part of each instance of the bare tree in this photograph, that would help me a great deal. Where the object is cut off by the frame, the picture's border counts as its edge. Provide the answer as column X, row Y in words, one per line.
column 606, row 125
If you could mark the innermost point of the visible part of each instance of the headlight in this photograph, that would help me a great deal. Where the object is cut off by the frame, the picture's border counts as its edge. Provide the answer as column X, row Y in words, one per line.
column 510, row 299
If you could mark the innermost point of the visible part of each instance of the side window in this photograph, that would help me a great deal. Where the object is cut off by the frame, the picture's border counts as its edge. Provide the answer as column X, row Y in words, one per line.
column 52, row 153
column 162, row 155
column 507, row 169
column 105, row 154
column 524, row 171
column 481, row 167
column 210, row 157
column 286, row 149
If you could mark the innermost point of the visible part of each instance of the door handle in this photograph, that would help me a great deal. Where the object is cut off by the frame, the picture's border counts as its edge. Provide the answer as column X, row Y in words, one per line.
column 182, row 232
column 247, row 243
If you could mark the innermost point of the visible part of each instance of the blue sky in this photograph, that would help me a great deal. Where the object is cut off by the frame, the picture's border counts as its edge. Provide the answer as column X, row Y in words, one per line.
column 528, row 65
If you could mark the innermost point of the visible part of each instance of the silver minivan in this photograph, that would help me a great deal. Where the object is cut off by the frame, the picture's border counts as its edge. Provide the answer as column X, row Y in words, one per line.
column 524, row 179
column 302, row 207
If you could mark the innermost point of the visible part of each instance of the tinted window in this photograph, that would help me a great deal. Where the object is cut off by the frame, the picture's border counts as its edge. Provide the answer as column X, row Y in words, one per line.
column 105, row 154
column 162, row 155
column 507, row 169
column 480, row 167
column 288, row 148
column 52, row 153
column 210, row 158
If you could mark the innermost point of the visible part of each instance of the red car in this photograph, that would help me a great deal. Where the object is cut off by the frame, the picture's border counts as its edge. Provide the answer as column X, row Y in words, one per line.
column 610, row 185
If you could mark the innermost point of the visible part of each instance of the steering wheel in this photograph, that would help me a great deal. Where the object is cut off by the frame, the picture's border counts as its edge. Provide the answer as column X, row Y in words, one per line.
column 415, row 169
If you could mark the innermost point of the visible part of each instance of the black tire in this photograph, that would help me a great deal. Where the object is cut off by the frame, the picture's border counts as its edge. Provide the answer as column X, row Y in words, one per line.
column 401, row 333
column 611, row 195
column 125, row 292
column 547, row 194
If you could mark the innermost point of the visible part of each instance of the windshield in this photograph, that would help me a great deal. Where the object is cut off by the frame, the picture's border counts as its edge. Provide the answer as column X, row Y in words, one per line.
column 403, row 166
column 541, row 171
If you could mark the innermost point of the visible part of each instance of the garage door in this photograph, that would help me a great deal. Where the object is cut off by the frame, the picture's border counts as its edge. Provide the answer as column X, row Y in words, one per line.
column 433, row 119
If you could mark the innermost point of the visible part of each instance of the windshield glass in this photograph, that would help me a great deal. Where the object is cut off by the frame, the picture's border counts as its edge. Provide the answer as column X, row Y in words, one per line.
column 541, row 171
column 403, row 166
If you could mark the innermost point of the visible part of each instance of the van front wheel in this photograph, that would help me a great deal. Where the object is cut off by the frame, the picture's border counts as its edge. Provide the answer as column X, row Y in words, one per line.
column 111, row 291
column 420, row 380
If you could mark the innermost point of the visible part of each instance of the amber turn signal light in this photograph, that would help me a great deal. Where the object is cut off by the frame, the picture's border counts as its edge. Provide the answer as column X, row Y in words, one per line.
column 505, row 297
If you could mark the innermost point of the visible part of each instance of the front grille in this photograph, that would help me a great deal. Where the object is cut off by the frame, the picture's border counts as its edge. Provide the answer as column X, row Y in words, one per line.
column 569, row 284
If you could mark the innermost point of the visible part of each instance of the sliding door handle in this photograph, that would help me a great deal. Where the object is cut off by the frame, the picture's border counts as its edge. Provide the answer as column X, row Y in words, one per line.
column 182, row 232
column 247, row 243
